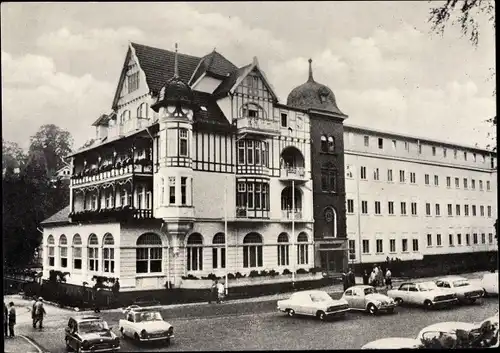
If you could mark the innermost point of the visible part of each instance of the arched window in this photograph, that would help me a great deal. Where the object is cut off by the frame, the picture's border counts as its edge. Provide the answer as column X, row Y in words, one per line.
column 77, row 252
column 108, row 253
column 252, row 250
column 324, row 144
column 283, row 250
column 149, row 253
column 93, row 251
column 51, row 250
column 125, row 116
column 302, row 249
column 63, row 251
column 143, row 111
column 328, row 177
column 195, row 252
column 330, row 222
column 219, row 251
column 331, row 144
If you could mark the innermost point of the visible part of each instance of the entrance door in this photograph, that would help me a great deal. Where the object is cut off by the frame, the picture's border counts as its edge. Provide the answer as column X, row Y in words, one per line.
column 328, row 261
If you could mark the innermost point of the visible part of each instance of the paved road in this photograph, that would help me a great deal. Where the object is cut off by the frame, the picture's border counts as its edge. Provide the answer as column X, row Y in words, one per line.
column 267, row 329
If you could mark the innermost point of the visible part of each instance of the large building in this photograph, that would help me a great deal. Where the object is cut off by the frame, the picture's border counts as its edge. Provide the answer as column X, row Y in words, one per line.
column 199, row 170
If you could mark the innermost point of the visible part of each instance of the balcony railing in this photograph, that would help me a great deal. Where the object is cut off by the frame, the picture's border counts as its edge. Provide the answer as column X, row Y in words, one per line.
column 289, row 214
column 107, row 172
column 251, row 124
column 293, row 173
column 118, row 213
column 128, row 126
column 242, row 212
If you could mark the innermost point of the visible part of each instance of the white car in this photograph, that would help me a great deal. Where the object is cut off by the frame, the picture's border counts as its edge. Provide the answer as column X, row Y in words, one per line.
column 366, row 298
column 489, row 282
column 145, row 325
column 449, row 327
column 313, row 303
column 465, row 291
column 394, row 343
column 423, row 293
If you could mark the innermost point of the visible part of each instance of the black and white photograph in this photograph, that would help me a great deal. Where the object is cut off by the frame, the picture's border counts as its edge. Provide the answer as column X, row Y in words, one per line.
column 230, row 176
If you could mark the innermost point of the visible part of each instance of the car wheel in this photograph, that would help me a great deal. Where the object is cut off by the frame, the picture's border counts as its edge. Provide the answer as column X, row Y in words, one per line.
column 68, row 347
column 122, row 331
column 291, row 312
column 428, row 304
column 321, row 315
column 390, row 311
column 136, row 337
column 398, row 301
column 372, row 309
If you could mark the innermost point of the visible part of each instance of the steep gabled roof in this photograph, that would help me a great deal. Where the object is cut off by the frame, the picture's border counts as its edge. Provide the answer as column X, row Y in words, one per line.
column 230, row 81
column 60, row 217
column 213, row 64
column 102, row 120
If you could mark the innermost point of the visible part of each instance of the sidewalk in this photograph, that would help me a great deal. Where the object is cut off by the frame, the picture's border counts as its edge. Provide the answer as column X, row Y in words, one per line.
column 20, row 344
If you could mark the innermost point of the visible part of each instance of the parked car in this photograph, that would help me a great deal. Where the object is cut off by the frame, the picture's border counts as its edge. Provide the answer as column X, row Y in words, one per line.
column 465, row 291
column 394, row 343
column 489, row 282
column 423, row 293
column 90, row 334
column 366, row 298
column 144, row 324
column 313, row 303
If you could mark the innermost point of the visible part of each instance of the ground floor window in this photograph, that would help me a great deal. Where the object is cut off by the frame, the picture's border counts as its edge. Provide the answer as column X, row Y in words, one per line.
column 93, row 259
column 64, row 256
column 51, row 256
column 302, row 249
column 149, row 253
column 283, row 249
column 108, row 258
column 218, row 257
column 77, row 258
column 195, row 258
column 352, row 249
column 252, row 250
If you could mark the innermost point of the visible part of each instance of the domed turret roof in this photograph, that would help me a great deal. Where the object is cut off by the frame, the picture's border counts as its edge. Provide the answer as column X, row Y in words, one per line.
column 313, row 95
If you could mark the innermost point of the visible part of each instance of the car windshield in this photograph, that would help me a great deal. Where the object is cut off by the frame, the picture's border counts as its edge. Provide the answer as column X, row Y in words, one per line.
column 461, row 283
column 320, row 297
column 427, row 286
column 148, row 316
column 93, row 326
column 370, row 290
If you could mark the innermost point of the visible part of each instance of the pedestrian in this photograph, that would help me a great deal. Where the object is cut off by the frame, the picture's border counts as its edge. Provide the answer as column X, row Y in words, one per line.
column 380, row 277
column 366, row 278
column 220, row 292
column 345, row 281
column 39, row 313
column 388, row 279
column 33, row 310
column 212, row 296
column 5, row 319
column 12, row 319
column 97, row 300
column 373, row 278
column 116, row 290
column 351, row 278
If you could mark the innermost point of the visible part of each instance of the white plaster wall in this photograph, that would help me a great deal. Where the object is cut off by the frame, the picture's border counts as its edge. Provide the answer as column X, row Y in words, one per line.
column 207, row 84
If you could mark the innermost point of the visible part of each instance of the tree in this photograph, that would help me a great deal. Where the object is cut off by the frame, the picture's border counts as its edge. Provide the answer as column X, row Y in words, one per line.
column 13, row 156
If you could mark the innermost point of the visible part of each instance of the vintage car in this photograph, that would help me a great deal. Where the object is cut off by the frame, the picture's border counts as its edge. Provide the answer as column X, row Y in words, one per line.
column 144, row 324
column 366, row 298
column 90, row 334
column 423, row 293
column 313, row 303
column 465, row 291
column 489, row 282
column 394, row 343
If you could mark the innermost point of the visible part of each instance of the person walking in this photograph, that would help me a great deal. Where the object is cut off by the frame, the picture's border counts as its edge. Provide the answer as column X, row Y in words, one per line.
column 39, row 313
column 366, row 278
column 351, row 278
column 388, row 279
column 373, row 279
column 212, row 296
column 116, row 290
column 5, row 320
column 345, row 281
column 375, row 271
column 220, row 292
column 33, row 310
column 97, row 300
column 12, row 319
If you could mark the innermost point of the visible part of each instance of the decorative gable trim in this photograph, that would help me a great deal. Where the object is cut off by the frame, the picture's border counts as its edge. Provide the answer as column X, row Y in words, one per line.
column 254, row 65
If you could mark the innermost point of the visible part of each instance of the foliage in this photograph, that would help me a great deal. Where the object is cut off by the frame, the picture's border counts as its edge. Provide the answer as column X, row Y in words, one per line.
column 315, row 270
column 253, row 273
column 301, row 271
column 286, row 271
column 273, row 273
column 189, row 276
column 13, row 157
column 55, row 143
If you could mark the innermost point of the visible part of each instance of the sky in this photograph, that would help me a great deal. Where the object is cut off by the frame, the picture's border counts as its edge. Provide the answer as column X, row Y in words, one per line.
column 61, row 61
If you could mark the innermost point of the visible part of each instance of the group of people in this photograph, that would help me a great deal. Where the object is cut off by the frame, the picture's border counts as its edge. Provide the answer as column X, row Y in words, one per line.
column 348, row 279
column 9, row 319
column 377, row 278
column 38, row 312
column 217, row 292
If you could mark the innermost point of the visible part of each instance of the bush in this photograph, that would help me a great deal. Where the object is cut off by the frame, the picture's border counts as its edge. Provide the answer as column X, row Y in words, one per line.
column 315, row 270
column 253, row 273
column 273, row 273
column 231, row 276
column 286, row 271
column 239, row 275
column 301, row 271
column 211, row 276
column 264, row 273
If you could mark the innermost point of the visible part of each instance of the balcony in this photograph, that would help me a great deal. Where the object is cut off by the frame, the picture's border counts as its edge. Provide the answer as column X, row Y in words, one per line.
column 118, row 213
column 293, row 173
column 245, row 213
column 257, row 126
column 107, row 172
column 291, row 215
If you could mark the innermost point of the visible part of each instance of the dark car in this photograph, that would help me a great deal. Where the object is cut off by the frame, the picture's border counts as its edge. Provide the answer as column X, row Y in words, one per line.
column 90, row 334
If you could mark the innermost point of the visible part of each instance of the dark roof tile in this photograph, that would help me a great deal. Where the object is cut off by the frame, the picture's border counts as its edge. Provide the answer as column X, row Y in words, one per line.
column 229, row 82
column 60, row 217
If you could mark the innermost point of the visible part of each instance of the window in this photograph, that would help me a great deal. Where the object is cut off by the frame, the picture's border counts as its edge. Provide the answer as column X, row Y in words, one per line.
column 363, row 173
column 481, row 210
column 444, row 152
column 429, row 239
column 328, row 178
column 241, row 152
column 381, row 143
column 283, row 247
column 466, row 210
column 284, row 120
column 419, row 148
column 376, row 175
column 93, row 253
column 436, row 180
column 302, row 249
column 467, row 239
column 133, row 82
column 364, row 207
column 474, row 157
column 331, row 144
column 457, row 210
column 426, row 177
column 412, row 178
column 77, row 252
column 171, row 188
column 392, row 245
column 414, row 208
column 455, row 154
column 488, row 187
column 448, row 182
column 63, row 251
column 252, row 250
column 404, row 245
column 492, row 162
column 459, row 239
column 465, row 183
column 450, row 209
column 380, row 247
column 143, row 111
column 474, row 238
column 254, row 196
column 377, row 207
column 183, row 191
column 433, row 150
column 219, row 251
column 350, row 206
column 108, row 254
column 407, row 146
column 457, row 183
column 149, row 253
column 481, row 185
column 324, row 144
column 473, row 184
column 415, row 245
column 366, row 246
column 403, row 208
column 352, row 249
column 402, row 176
column 465, row 155
column 250, row 154
column 473, row 210
column 389, row 174
column 183, row 143
column 450, row 239
column 367, row 141
column 390, row 205
column 490, row 238
column 194, row 252
column 438, row 239
column 394, row 144
column 489, row 211
column 438, row 211
column 123, row 197
column 428, row 209
column 253, row 152
column 140, row 196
